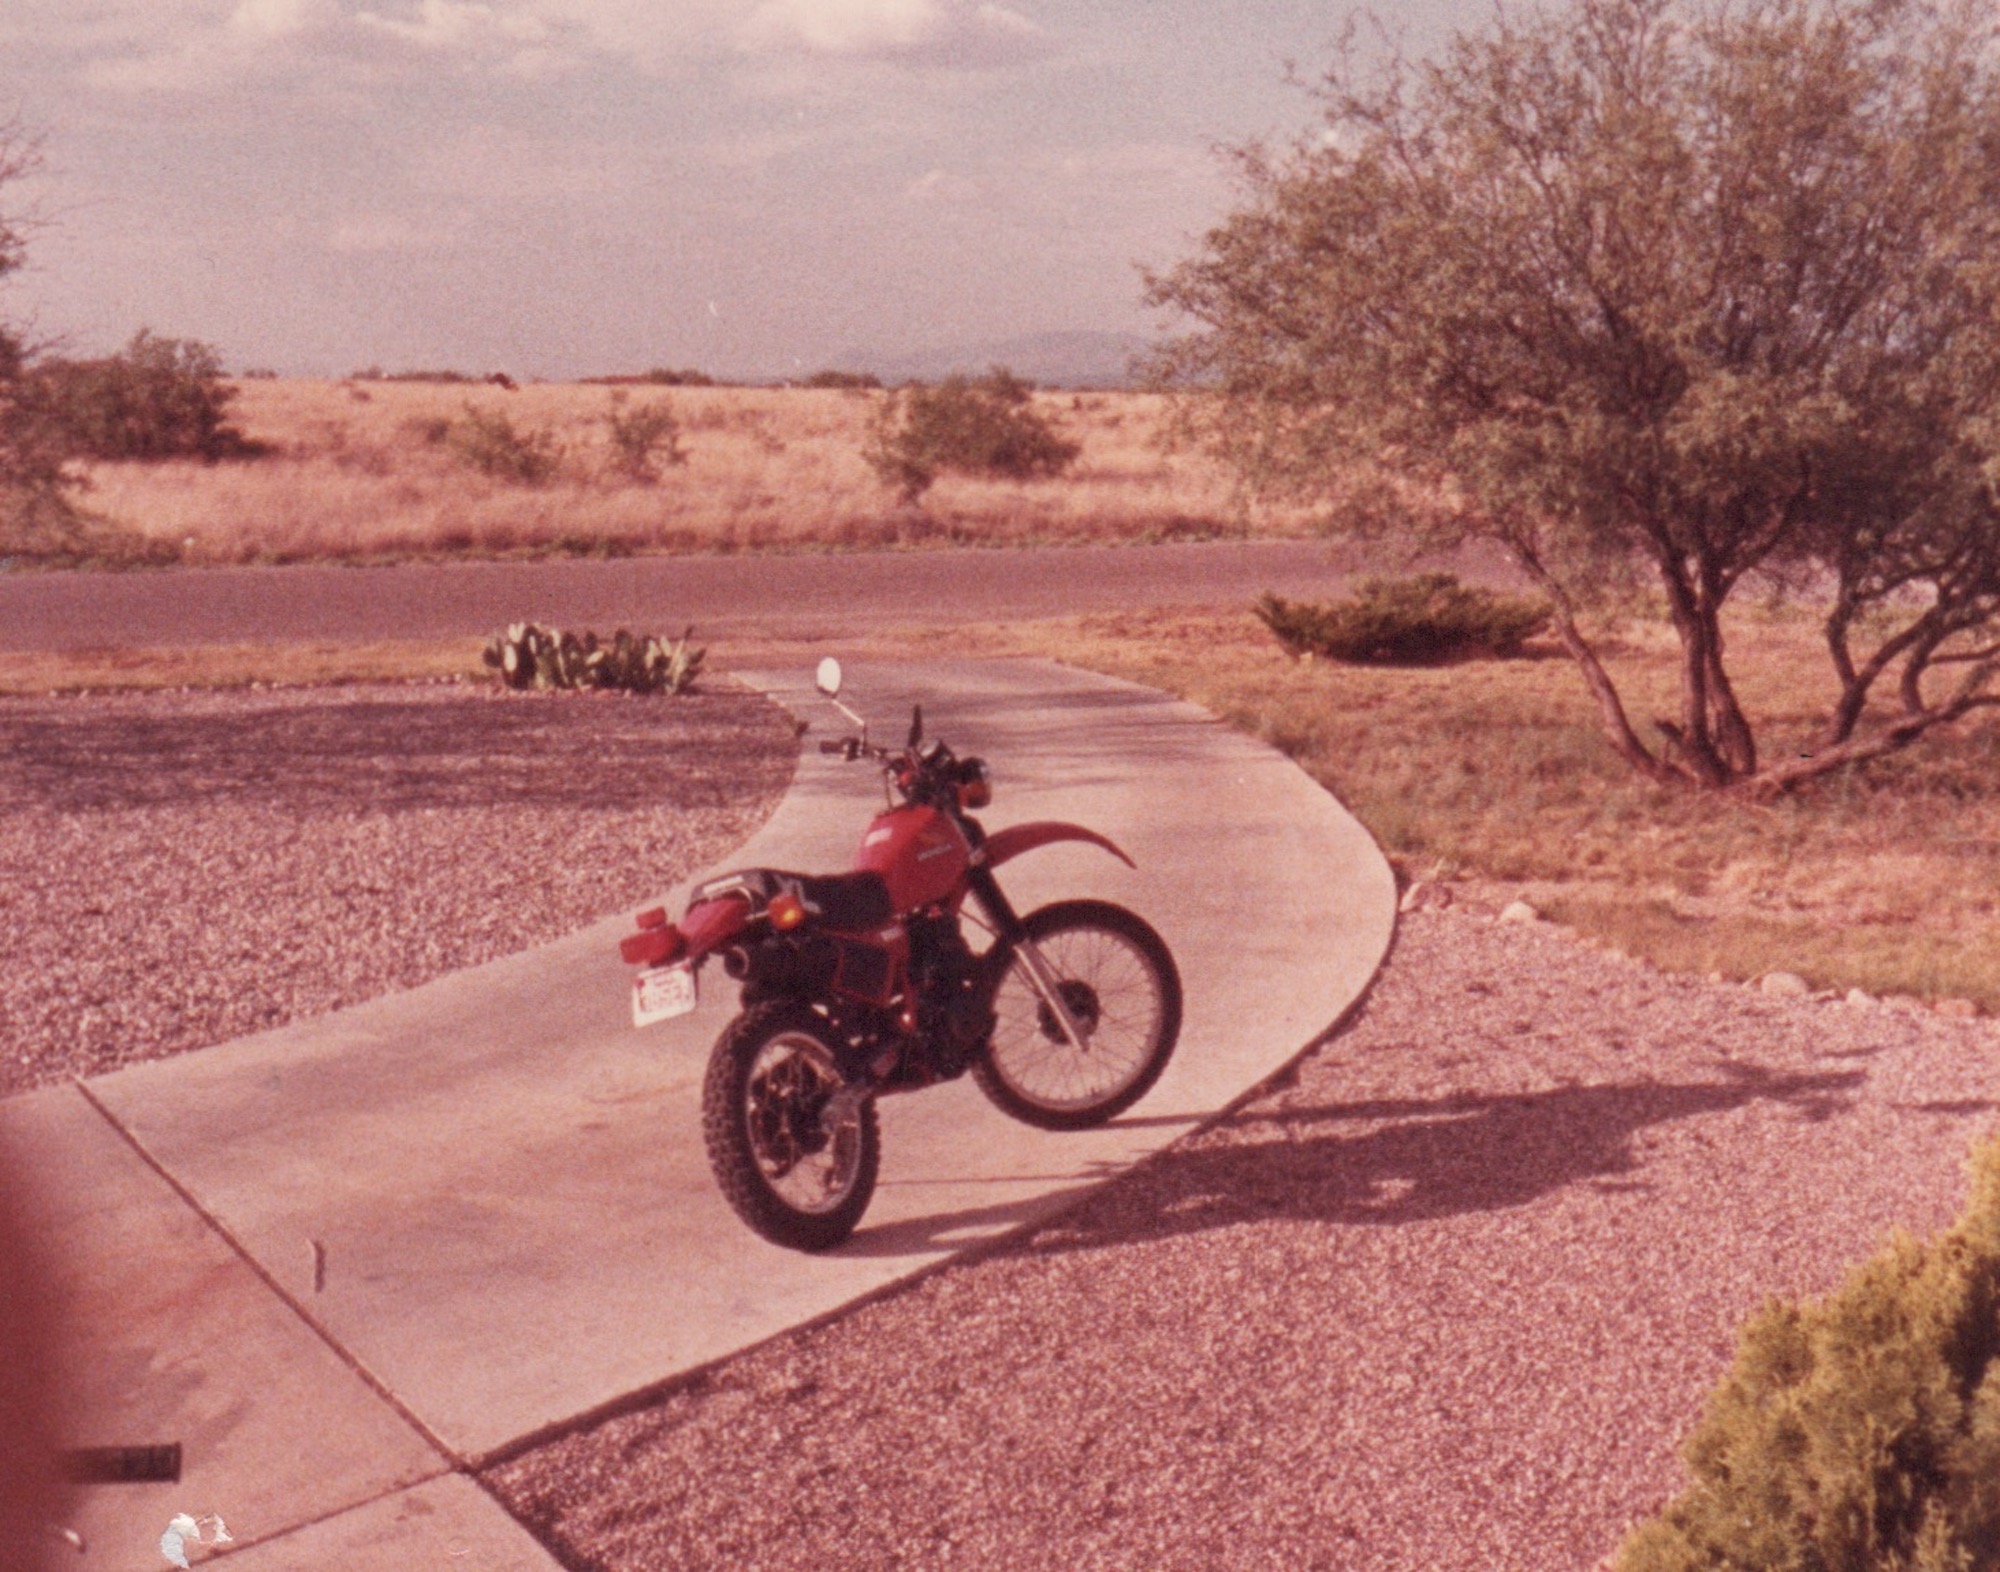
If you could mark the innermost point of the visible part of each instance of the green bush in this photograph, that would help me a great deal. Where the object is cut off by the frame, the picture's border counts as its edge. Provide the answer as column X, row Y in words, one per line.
column 489, row 442
column 643, row 436
column 527, row 656
column 1428, row 618
column 842, row 379
column 1860, row 1432
column 157, row 398
column 983, row 427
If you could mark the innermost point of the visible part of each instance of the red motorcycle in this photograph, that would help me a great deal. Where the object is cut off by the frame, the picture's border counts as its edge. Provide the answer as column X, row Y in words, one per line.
column 887, row 979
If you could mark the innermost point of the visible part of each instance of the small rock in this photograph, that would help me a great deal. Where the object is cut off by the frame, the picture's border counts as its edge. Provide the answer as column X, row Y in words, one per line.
column 1424, row 896
column 1519, row 911
column 1859, row 998
column 1717, row 977
column 1784, row 985
column 1957, row 1009
column 1907, row 1002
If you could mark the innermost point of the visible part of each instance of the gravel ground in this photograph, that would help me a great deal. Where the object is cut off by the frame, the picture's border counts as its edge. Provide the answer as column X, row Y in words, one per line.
column 181, row 868
column 1447, row 1299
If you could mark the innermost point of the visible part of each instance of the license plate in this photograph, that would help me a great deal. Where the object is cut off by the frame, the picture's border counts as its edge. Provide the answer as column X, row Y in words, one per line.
column 662, row 993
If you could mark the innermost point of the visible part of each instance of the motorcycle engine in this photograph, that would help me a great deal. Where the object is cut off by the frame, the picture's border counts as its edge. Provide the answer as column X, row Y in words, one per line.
column 953, row 1017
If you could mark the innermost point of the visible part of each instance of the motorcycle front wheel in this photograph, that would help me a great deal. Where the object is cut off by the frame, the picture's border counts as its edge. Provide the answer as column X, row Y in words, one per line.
column 794, row 1163
column 1118, row 980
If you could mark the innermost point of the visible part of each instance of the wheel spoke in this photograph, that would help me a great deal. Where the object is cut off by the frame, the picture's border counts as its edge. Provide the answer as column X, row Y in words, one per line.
column 790, row 1085
column 1117, row 1000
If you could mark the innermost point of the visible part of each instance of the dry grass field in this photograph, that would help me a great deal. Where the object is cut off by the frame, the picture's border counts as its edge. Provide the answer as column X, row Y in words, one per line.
column 374, row 470
column 1885, row 878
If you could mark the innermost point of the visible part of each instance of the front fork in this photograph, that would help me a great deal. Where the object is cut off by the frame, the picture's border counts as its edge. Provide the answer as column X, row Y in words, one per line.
column 1034, row 966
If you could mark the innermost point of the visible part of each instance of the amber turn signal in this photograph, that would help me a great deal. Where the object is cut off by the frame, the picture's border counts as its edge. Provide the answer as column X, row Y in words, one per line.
column 786, row 911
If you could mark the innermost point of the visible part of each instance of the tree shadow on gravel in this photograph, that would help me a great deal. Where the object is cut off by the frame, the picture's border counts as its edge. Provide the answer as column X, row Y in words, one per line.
column 386, row 754
column 1393, row 1161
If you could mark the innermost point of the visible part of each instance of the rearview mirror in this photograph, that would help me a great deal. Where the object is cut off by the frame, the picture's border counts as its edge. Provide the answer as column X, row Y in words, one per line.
column 828, row 678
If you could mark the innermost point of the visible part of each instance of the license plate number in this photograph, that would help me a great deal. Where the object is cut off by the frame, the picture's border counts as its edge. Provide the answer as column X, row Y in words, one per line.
column 662, row 993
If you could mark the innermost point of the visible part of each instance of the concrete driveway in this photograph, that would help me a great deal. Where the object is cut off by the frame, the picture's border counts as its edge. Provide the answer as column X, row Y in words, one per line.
column 344, row 1261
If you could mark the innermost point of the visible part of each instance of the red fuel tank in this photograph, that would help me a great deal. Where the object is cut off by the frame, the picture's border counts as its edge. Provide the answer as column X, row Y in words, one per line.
column 919, row 852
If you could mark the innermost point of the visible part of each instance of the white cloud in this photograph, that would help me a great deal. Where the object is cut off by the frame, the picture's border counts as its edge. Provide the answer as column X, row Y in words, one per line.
column 843, row 27
column 944, row 186
column 202, row 47
column 924, row 32
column 453, row 24
column 305, row 42
column 278, row 18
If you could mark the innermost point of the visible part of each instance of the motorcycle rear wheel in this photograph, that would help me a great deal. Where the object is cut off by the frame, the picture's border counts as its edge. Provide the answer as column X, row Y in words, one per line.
column 1119, row 981
column 793, row 1178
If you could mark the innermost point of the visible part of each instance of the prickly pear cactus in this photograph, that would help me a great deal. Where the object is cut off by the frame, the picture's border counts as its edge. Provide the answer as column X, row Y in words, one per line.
column 528, row 656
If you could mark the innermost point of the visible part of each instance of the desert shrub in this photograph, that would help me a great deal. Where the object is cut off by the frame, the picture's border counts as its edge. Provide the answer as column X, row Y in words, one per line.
column 1426, row 618
column 684, row 377
column 41, row 523
column 643, row 436
column 657, row 376
column 842, row 379
column 432, row 431
column 527, row 656
column 156, row 398
column 983, row 427
column 490, row 443
column 1860, row 1431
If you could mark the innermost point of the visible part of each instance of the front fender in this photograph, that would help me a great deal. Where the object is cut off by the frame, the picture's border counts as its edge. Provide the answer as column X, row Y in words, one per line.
column 1005, row 845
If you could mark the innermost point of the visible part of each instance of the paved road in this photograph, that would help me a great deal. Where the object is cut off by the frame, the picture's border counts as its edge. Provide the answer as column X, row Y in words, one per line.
column 821, row 595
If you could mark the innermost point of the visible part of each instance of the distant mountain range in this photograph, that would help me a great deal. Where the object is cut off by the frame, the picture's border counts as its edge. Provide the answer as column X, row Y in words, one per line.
column 1061, row 360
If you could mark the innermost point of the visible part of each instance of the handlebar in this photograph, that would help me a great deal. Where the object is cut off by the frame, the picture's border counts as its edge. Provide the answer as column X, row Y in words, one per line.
column 932, row 774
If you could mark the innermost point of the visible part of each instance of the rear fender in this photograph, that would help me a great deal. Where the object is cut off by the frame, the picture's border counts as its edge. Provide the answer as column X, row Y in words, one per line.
column 1005, row 845
column 709, row 925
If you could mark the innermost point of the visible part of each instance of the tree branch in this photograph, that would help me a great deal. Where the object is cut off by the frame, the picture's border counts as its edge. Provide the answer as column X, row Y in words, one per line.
column 1899, row 734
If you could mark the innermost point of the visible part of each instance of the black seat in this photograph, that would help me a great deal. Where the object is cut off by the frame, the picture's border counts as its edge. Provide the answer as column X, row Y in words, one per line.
column 846, row 901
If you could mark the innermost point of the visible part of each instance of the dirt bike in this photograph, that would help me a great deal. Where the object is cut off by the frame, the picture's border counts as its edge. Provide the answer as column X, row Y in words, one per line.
column 888, row 979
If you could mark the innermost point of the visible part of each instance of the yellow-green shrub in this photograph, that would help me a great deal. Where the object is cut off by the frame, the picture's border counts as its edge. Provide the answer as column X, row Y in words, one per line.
column 1413, row 621
column 1859, row 1432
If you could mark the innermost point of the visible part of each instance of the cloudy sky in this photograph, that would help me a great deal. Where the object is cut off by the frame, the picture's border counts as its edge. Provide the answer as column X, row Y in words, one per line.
column 567, row 187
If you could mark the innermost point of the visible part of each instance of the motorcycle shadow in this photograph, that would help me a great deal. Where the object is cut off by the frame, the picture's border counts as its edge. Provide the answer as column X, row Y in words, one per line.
column 1388, row 1162
column 971, row 1228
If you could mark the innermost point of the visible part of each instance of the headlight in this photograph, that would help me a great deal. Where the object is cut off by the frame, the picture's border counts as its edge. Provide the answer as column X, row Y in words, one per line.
column 975, row 784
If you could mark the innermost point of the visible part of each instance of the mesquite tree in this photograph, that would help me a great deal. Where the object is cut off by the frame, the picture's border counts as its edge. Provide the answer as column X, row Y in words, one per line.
column 31, row 460
column 1684, row 288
